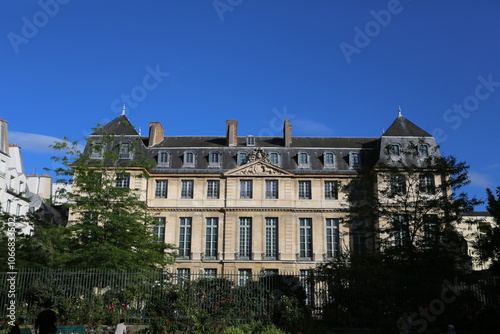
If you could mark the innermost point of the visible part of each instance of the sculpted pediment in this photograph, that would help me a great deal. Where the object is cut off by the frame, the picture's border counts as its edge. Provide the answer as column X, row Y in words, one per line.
column 258, row 168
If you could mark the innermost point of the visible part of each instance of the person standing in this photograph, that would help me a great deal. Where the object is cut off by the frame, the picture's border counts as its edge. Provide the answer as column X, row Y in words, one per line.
column 121, row 328
column 45, row 322
column 404, row 323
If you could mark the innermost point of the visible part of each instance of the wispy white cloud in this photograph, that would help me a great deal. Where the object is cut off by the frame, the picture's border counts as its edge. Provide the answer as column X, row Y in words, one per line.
column 32, row 142
column 480, row 180
column 494, row 166
column 311, row 128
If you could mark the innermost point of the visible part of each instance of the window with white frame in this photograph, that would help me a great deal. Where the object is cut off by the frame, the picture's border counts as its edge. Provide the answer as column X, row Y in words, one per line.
column 213, row 189
column 211, row 238
column 332, row 238
column 161, row 189
column 331, row 190
column 185, row 238
column 183, row 275
column 244, row 275
column 400, row 234
column 210, row 273
column 431, row 230
column 159, row 229
column 398, row 184
column 250, row 140
column 163, row 158
column 354, row 160
column 97, row 150
column 214, row 159
column 329, row 160
column 426, row 184
column 303, row 159
column 188, row 160
column 245, row 249
column 242, row 158
column 246, row 188
column 122, row 180
column 393, row 149
column 305, row 238
column 274, row 157
column 305, row 190
column 423, row 150
column 187, row 188
column 8, row 206
column 125, row 151
column 271, row 239
column 271, row 189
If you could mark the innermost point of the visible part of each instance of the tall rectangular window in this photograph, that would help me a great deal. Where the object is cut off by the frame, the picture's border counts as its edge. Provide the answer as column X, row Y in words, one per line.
column 163, row 158
column 185, row 238
column 122, row 180
column 214, row 159
column 244, row 275
column 401, row 236
column 426, row 184
column 183, row 275
column 303, row 159
column 332, row 238
column 246, row 188
column 242, row 158
column 271, row 239
column 398, row 184
column 354, row 160
column 304, row 189
column 211, row 238
column 211, row 273
column 358, row 237
column 274, row 157
column 331, row 190
column 305, row 239
column 159, row 229
column 213, row 187
column 329, row 159
column 272, row 189
column 187, row 188
column 161, row 189
column 188, row 159
column 245, row 250
column 431, row 230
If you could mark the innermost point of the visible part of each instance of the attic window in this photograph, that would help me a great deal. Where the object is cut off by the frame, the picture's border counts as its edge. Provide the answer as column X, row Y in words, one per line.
column 303, row 159
column 214, row 159
column 354, row 160
column 125, row 151
column 329, row 159
column 242, row 158
column 423, row 150
column 188, row 159
column 274, row 157
column 250, row 141
column 163, row 158
column 394, row 149
column 97, row 150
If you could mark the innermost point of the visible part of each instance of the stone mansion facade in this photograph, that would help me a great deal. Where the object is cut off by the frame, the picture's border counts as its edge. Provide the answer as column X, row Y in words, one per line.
column 251, row 204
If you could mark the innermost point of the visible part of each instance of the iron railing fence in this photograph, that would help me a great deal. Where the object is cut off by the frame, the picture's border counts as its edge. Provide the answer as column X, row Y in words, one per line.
column 92, row 296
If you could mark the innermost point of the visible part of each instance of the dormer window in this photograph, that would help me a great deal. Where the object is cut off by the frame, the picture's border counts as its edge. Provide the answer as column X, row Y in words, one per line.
column 423, row 150
column 97, row 150
column 125, row 151
column 394, row 150
column 354, row 160
column 250, row 140
column 188, row 159
column 163, row 158
column 214, row 159
column 274, row 157
column 242, row 158
column 303, row 159
column 329, row 159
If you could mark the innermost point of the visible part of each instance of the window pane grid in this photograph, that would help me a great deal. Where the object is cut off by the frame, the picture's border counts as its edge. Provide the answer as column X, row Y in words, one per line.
column 332, row 238
column 305, row 238
column 213, row 187
column 185, row 238
column 245, row 238
column 246, row 189
column 271, row 238
column 304, row 189
column 211, row 238
column 331, row 190
column 272, row 189
column 187, row 189
column 161, row 189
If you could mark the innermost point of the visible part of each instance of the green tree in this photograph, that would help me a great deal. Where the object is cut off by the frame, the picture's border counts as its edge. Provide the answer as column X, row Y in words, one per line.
column 488, row 244
column 410, row 206
column 110, row 223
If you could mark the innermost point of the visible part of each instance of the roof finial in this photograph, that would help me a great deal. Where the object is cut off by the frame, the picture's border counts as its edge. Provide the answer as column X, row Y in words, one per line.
column 399, row 111
column 123, row 110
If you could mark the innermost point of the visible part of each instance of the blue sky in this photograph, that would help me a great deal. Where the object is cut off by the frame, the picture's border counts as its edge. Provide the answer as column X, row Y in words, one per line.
column 335, row 68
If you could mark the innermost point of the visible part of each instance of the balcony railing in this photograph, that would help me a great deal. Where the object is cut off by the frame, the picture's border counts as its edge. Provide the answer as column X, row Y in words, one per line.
column 188, row 256
column 244, row 257
column 208, row 257
column 305, row 258
column 271, row 257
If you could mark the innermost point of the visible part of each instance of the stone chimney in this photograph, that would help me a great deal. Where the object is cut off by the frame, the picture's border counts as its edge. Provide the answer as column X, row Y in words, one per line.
column 156, row 133
column 287, row 133
column 232, row 132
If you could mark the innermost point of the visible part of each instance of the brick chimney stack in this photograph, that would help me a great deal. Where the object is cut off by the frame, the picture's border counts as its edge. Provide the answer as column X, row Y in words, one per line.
column 232, row 132
column 287, row 133
column 156, row 133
